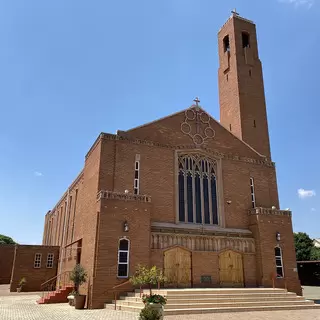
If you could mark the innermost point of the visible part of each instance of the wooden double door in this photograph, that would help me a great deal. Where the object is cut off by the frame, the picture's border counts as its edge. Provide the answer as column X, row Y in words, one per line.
column 178, row 270
column 231, row 269
column 177, row 267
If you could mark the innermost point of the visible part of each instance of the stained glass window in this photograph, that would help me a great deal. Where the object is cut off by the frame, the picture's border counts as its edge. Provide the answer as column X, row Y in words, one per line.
column 197, row 189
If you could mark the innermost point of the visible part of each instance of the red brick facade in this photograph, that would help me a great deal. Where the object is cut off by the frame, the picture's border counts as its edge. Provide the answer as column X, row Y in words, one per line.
column 35, row 274
column 6, row 261
column 92, row 216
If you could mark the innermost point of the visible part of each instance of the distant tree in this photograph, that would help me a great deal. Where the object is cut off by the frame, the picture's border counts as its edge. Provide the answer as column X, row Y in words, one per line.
column 315, row 253
column 304, row 245
column 6, row 240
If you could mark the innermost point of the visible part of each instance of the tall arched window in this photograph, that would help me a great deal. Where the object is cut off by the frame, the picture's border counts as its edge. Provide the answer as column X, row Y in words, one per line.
column 123, row 258
column 279, row 262
column 197, row 189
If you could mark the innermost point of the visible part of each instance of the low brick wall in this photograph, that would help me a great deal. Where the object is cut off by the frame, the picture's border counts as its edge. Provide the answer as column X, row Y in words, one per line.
column 6, row 262
column 23, row 266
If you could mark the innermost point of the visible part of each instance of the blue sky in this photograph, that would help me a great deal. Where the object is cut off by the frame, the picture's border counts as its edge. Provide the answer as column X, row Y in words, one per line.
column 71, row 69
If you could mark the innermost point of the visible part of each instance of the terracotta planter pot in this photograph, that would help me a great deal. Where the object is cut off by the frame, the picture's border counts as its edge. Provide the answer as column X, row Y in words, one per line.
column 158, row 307
column 19, row 289
column 79, row 301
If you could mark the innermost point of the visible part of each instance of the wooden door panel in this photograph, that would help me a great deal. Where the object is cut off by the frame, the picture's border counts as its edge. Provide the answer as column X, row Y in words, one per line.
column 170, row 270
column 231, row 269
column 177, row 267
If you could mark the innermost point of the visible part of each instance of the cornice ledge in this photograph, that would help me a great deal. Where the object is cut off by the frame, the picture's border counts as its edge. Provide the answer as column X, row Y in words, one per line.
column 196, row 228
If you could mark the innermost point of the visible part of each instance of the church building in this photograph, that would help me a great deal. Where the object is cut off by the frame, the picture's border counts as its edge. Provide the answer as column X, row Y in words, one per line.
column 189, row 194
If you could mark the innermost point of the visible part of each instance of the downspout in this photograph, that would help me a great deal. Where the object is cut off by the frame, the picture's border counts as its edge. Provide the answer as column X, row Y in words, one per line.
column 64, row 230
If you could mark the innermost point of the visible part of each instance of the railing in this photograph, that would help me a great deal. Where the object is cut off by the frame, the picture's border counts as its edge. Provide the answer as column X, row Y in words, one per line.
column 274, row 278
column 115, row 292
column 103, row 194
column 270, row 211
column 59, row 281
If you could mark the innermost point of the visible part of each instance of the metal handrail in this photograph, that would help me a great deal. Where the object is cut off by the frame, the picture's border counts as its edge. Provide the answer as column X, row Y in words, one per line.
column 115, row 293
column 274, row 278
column 50, row 285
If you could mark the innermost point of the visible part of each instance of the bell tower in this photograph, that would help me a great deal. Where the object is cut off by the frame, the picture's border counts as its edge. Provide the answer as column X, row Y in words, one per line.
column 241, row 89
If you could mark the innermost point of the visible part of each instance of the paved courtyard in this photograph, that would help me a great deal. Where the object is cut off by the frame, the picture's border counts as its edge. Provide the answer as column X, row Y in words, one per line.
column 23, row 307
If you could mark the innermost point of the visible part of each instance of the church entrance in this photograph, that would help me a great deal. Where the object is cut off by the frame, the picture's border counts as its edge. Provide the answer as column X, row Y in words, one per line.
column 177, row 267
column 231, row 269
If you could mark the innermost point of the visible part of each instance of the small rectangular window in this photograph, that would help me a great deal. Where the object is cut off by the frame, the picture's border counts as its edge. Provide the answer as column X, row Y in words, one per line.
column 136, row 176
column 123, row 258
column 279, row 262
column 37, row 260
column 50, row 257
column 253, row 197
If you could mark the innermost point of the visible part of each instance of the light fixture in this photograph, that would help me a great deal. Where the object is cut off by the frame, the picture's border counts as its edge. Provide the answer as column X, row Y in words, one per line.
column 126, row 191
column 126, row 226
column 278, row 237
column 273, row 208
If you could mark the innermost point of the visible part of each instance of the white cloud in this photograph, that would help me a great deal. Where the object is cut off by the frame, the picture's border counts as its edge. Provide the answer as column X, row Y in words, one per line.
column 306, row 193
column 313, row 209
column 299, row 3
column 38, row 174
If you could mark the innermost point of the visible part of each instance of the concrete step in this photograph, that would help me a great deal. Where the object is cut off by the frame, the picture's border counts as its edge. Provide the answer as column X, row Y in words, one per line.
column 204, row 305
column 210, row 298
column 58, row 296
column 170, row 292
column 225, row 309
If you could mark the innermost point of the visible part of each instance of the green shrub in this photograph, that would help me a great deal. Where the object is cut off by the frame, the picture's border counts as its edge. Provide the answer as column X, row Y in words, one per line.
column 154, row 298
column 149, row 314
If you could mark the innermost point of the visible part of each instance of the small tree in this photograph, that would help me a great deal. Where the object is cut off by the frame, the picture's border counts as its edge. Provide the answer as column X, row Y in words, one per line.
column 147, row 276
column 78, row 276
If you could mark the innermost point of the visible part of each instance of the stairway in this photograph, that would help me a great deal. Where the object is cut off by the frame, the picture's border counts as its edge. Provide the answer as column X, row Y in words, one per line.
column 58, row 296
column 194, row 301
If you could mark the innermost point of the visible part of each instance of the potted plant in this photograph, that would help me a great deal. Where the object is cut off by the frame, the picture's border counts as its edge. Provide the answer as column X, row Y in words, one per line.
column 70, row 297
column 78, row 276
column 22, row 282
column 155, row 302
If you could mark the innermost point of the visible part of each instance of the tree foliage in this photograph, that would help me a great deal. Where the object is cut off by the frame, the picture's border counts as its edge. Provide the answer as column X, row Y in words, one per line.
column 78, row 276
column 304, row 247
column 147, row 276
column 315, row 254
column 6, row 240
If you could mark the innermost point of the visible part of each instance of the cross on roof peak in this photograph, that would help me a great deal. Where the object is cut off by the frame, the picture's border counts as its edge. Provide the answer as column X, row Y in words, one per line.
column 234, row 12
column 196, row 100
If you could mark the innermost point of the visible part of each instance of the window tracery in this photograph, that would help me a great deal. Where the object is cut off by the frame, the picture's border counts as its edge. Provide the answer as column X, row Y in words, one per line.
column 197, row 185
